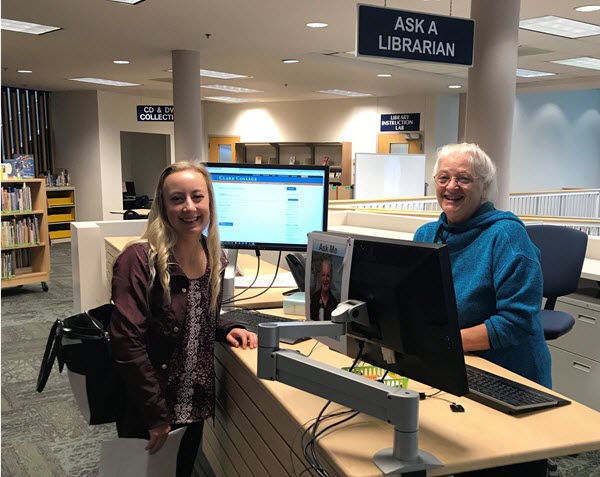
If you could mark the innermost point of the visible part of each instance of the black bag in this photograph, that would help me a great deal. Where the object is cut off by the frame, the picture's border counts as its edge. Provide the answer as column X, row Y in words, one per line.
column 82, row 343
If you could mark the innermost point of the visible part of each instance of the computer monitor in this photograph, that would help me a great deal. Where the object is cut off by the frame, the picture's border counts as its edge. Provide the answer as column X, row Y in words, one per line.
column 409, row 292
column 269, row 206
column 129, row 188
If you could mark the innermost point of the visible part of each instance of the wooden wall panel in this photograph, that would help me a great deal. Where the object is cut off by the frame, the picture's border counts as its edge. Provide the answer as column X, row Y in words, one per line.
column 26, row 127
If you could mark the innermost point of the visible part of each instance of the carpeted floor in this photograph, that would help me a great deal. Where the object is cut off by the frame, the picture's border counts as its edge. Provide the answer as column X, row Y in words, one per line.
column 43, row 434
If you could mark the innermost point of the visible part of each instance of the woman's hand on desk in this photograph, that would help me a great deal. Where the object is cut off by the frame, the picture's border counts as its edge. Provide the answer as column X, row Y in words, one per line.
column 158, row 436
column 240, row 337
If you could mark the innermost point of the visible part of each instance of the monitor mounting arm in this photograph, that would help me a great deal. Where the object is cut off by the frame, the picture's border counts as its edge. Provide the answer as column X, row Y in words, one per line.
column 399, row 407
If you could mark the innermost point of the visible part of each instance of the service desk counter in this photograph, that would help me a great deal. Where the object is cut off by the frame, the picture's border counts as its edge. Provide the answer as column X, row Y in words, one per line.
column 259, row 425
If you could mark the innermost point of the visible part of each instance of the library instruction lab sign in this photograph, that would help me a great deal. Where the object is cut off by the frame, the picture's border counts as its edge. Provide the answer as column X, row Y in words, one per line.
column 401, row 122
column 154, row 113
column 390, row 33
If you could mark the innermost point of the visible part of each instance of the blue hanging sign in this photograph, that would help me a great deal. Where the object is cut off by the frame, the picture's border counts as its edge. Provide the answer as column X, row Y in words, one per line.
column 390, row 33
column 401, row 122
column 154, row 113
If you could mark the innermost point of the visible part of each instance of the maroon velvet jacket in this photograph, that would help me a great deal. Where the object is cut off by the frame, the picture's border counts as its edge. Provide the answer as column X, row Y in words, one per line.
column 145, row 331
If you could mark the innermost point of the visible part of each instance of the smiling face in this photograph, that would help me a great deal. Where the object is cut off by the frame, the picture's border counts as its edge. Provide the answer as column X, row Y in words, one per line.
column 186, row 203
column 325, row 275
column 458, row 198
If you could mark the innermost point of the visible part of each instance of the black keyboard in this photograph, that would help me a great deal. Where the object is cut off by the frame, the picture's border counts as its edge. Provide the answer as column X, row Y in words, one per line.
column 251, row 319
column 506, row 395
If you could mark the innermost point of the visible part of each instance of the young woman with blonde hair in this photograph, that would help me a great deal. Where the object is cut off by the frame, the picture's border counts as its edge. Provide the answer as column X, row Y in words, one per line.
column 166, row 290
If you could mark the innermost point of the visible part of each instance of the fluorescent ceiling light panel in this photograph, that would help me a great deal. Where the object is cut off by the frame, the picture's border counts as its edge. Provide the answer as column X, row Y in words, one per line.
column 521, row 73
column 225, row 99
column 317, row 25
column 560, row 27
column 289, row 61
column 455, row 86
column 128, row 2
column 582, row 62
column 121, row 62
column 232, row 89
column 384, row 75
column 104, row 82
column 342, row 92
column 220, row 74
column 588, row 8
column 24, row 71
column 25, row 27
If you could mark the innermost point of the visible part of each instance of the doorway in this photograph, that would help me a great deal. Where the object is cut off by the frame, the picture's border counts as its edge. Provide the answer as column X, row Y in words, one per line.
column 222, row 148
column 400, row 143
column 143, row 157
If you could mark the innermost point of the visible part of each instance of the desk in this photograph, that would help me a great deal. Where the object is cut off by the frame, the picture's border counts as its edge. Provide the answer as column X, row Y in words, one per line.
column 258, row 426
column 272, row 298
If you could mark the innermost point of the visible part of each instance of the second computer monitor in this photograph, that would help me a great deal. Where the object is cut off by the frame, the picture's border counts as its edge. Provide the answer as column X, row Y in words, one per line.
column 409, row 292
column 269, row 207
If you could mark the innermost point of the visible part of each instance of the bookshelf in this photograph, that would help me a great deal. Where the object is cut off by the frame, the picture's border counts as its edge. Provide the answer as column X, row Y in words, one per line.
column 61, row 212
column 25, row 244
column 339, row 156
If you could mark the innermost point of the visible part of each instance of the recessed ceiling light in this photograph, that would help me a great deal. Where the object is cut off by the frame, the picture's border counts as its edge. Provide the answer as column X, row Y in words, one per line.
column 25, row 27
column 343, row 92
column 560, row 27
column 582, row 62
column 588, row 8
column 521, row 73
column 233, row 89
column 128, row 2
column 104, row 81
column 455, row 86
column 317, row 25
column 121, row 62
column 220, row 74
column 226, row 99
column 24, row 71
column 384, row 75
column 289, row 61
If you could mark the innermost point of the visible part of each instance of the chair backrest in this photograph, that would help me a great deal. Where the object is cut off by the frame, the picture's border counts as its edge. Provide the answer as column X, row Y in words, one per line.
column 141, row 202
column 563, row 251
column 131, row 215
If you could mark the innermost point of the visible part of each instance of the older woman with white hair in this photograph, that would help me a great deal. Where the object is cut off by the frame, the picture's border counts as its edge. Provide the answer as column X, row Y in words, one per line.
column 495, row 266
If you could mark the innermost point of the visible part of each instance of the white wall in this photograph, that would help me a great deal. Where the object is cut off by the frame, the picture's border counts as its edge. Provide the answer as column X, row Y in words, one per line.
column 77, row 147
column 354, row 120
column 556, row 141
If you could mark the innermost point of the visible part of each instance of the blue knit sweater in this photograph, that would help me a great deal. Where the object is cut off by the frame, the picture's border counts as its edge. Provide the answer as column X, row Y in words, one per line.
column 498, row 282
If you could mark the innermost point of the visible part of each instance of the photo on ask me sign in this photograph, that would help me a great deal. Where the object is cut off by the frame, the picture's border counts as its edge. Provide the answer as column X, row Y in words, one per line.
column 325, row 285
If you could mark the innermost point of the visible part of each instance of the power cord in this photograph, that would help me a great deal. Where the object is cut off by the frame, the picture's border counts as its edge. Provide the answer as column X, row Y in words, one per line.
column 270, row 284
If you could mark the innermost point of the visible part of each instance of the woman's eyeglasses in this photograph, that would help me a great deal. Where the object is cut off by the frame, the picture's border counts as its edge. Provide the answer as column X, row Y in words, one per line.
column 444, row 179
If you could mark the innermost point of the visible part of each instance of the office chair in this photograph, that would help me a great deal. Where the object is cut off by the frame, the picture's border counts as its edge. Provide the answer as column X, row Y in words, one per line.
column 563, row 251
column 141, row 202
column 132, row 215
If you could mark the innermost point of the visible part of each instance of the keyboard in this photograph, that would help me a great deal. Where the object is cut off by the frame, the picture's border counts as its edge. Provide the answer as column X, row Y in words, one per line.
column 251, row 319
column 507, row 396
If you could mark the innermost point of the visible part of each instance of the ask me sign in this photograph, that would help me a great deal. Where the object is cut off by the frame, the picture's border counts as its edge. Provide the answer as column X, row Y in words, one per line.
column 390, row 33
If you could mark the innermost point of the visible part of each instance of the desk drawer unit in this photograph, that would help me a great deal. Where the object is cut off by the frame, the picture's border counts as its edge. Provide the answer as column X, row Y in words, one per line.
column 576, row 355
column 576, row 377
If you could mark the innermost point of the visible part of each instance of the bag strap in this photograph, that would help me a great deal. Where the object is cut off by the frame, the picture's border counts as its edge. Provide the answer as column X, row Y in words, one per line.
column 52, row 347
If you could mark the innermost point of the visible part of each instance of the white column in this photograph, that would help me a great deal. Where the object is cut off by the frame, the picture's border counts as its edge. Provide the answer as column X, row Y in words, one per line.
column 187, row 106
column 492, row 85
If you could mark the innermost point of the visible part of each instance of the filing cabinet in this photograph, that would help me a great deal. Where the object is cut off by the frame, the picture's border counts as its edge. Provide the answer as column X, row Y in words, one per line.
column 576, row 355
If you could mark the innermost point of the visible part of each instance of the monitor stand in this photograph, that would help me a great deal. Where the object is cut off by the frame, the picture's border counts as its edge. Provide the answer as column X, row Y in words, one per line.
column 229, row 278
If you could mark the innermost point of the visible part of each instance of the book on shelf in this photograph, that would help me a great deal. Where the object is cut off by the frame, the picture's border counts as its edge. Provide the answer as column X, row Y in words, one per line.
column 16, row 199
column 21, row 166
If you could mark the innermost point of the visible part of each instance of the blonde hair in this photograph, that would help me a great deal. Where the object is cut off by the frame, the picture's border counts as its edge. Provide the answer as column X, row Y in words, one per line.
column 161, row 236
column 483, row 167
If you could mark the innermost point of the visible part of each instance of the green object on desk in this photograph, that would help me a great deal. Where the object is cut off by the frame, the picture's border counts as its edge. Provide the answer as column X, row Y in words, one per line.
column 375, row 373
